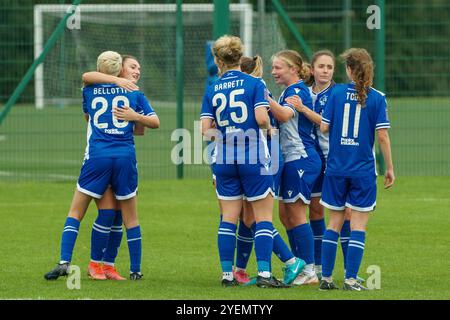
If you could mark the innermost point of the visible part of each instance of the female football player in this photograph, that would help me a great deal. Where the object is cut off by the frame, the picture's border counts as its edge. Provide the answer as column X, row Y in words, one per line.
column 109, row 160
column 236, row 103
column 302, row 163
column 102, row 264
column 353, row 114
column 320, row 87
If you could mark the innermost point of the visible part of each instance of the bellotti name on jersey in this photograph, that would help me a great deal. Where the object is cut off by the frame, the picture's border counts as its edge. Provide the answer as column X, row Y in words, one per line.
column 229, row 85
column 349, row 142
column 106, row 90
column 113, row 131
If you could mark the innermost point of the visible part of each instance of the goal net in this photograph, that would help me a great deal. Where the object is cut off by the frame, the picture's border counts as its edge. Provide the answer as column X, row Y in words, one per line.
column 146, row 31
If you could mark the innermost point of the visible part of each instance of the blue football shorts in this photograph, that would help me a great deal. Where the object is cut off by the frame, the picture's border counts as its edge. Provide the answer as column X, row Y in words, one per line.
column 357, row 193
column 97, row 173
column 237, row 181
column 299, row 177
column 317, row 187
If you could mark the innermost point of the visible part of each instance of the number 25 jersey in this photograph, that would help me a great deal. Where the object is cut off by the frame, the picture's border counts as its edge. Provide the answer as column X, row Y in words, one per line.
column 231, row 102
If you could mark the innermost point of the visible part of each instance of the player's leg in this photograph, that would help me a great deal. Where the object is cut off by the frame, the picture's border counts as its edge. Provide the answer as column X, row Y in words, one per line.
column 108, row 209
column 229, row 193
column 124, row 183
column 329, row 248
column 334, row 194
column 356, row 250
column 80, row 203
column 92, row 183
column 345, row 235
column 100, row 234
column 226, row 238
column 258, row 183
column 317, row 221
column 318, row 227
column 300, row 176
column 344, row 239
column 362, row 201
column 244, row 244
column 304, row 241
column 134, row 237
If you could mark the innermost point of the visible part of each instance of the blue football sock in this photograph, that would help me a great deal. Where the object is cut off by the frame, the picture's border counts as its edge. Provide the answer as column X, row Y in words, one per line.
column 135, row 248
column 291, row 239
column 355, row 253
column 244, row 245
column 115, row 238
column 69, row 236
column 280, row 248
column 329, row 247
column 226, row 241
column 345, row 237
column 304, row 240
column 318, row 228
column 264, row 245
column 100, row 233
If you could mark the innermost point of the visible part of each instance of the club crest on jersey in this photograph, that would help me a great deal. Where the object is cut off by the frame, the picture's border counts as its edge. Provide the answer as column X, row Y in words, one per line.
column 323, row 100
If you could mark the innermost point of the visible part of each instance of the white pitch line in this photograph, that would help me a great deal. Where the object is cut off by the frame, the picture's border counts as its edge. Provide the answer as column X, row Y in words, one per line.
column 30, row 175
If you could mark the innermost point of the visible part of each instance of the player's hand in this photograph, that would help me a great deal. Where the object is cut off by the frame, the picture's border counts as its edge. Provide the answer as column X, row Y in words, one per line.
column 126, row 84
column 389, row 178
column 125, row 113
column 296, row 102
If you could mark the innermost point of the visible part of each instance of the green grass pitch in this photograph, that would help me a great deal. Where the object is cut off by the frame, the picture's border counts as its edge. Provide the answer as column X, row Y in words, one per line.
column 407, row 238
column 407, row 235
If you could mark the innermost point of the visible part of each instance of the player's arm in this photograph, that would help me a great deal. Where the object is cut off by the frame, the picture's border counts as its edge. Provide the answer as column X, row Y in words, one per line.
column 327, row 114
column 98, row 77
column 385, row 146
column 126, row 113
column 262, row 117
column 282, row 114
column 208, row 129
column 382, row 126
column 324, row 127
column 139, row 129
column 297, row 103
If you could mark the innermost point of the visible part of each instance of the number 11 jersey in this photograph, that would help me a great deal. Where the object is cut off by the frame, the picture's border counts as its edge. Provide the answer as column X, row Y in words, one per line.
column 352, row 130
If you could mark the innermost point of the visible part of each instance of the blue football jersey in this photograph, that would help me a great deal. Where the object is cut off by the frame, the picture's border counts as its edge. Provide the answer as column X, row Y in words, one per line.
column 231, row 102
column 319, row 101
column 352, row 130
column 296, row 134
column 108, row 136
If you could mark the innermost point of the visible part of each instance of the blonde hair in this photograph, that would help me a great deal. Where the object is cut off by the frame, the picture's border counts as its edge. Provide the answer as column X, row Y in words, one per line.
column 294, row 60
column 228, row 50
column 109, row 62
column 252, row 66
column 361, row 64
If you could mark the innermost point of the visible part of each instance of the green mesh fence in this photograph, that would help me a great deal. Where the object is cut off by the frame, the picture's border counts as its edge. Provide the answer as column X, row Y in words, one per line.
column 48, row 143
